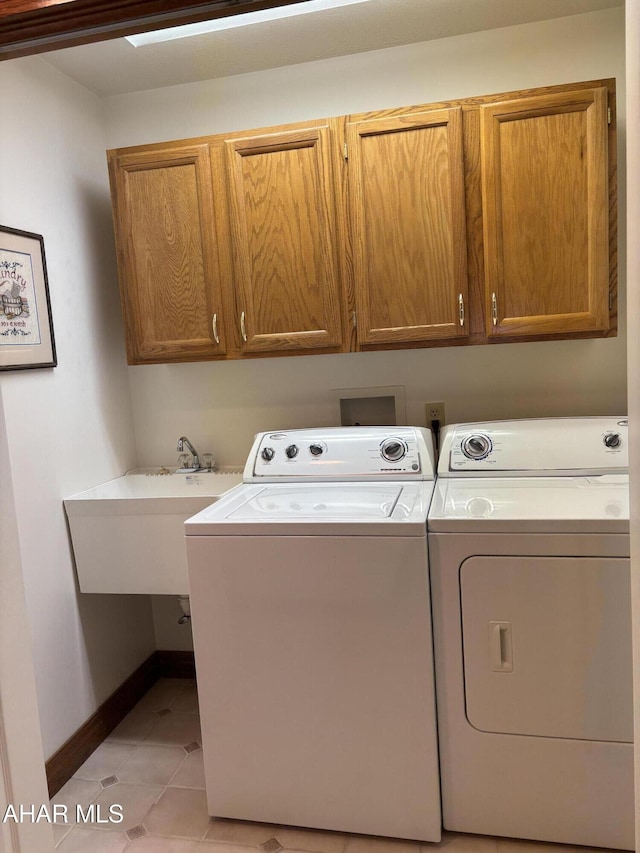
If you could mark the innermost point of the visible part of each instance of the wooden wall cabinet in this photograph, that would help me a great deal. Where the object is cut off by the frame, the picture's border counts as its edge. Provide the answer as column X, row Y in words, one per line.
column 479, row 221
column 171, row 288
column 407, row 217
column 545, row 193
column 227, row 246
column 283, row 232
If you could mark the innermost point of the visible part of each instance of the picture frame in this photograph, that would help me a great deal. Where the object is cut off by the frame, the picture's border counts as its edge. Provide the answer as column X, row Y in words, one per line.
column 26, row 325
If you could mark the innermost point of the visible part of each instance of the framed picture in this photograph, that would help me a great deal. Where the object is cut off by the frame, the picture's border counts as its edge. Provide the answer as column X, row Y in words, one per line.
column 26, row 327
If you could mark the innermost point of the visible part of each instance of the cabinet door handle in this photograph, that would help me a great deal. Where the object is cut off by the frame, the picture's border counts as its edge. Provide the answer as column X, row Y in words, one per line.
column 214, row 326
column 461, row 308
column 242, row 327
column 494, row 309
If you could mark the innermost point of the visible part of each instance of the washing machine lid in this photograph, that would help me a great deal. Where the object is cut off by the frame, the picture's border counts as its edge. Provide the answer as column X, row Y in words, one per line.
column 591, row 504
column 317, row 509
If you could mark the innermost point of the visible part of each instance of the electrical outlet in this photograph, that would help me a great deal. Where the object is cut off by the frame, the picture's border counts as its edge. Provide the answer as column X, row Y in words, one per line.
column 434, row 412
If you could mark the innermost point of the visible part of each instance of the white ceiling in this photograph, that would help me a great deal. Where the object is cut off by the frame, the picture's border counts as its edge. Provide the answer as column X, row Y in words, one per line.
column 115, row 67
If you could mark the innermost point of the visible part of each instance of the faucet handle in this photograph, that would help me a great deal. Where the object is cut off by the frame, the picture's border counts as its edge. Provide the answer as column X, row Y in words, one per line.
column 184, row 462
column 208, row 462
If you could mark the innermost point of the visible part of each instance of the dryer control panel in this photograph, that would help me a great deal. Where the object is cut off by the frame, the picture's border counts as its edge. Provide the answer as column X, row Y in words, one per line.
column 341, row 453
column 548, row 446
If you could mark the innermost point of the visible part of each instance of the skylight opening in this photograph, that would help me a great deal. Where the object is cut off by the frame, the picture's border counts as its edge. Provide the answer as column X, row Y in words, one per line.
column 233, row 21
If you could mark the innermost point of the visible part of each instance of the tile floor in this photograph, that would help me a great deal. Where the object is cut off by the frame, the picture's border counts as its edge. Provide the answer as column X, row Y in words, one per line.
column 151, row 765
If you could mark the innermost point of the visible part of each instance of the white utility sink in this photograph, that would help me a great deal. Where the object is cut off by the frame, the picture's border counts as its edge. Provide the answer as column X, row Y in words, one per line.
column 128, row 533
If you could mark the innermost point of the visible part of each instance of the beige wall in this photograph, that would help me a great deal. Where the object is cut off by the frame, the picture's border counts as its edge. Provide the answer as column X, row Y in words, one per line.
column 70, row 427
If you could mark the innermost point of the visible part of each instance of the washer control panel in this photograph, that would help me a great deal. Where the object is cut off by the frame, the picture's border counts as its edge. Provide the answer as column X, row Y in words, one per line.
column 531, row 447
column 342, row 453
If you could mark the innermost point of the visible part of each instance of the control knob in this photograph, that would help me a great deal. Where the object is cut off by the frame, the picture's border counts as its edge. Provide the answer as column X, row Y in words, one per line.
column 268, row 453
column 393, row 450
column 291, row 451
column 476, row 446
column 612, row 439
column 316, row 449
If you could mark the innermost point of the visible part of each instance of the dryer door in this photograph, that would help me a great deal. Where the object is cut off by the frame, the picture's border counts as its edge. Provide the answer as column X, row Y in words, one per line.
column 547, row 646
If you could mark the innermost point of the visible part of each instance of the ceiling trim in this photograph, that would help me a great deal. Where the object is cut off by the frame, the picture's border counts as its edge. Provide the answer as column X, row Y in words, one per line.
column 35, row 26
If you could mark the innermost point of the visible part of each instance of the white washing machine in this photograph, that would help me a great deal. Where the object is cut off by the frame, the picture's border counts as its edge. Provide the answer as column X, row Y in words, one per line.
column 312, row 631
column 529, row 547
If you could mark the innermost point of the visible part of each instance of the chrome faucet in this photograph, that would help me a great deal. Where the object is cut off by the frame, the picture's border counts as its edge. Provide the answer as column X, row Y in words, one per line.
column 183, row 442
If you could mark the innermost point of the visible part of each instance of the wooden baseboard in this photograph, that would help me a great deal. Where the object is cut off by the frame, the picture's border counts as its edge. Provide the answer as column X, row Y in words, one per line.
column 72, row 754
column 176, row 664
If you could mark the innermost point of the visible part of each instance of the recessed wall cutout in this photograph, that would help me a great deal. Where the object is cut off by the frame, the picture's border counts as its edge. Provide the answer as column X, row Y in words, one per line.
column 384, row 406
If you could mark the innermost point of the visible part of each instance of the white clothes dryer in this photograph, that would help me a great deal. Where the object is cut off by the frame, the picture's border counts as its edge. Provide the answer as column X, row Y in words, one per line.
column 529, row 547
column 312, row 631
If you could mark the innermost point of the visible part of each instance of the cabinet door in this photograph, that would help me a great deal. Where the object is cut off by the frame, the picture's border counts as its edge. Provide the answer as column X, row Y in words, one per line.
column 407, row 215
column 282, row 212
column 546, row 214
column 165, row 231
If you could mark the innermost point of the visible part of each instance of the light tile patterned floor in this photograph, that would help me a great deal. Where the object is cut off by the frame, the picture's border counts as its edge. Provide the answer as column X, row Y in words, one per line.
column 151, row 765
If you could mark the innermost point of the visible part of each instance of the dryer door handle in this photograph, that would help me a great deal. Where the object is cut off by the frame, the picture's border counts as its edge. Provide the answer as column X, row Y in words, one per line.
column 500, row 647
